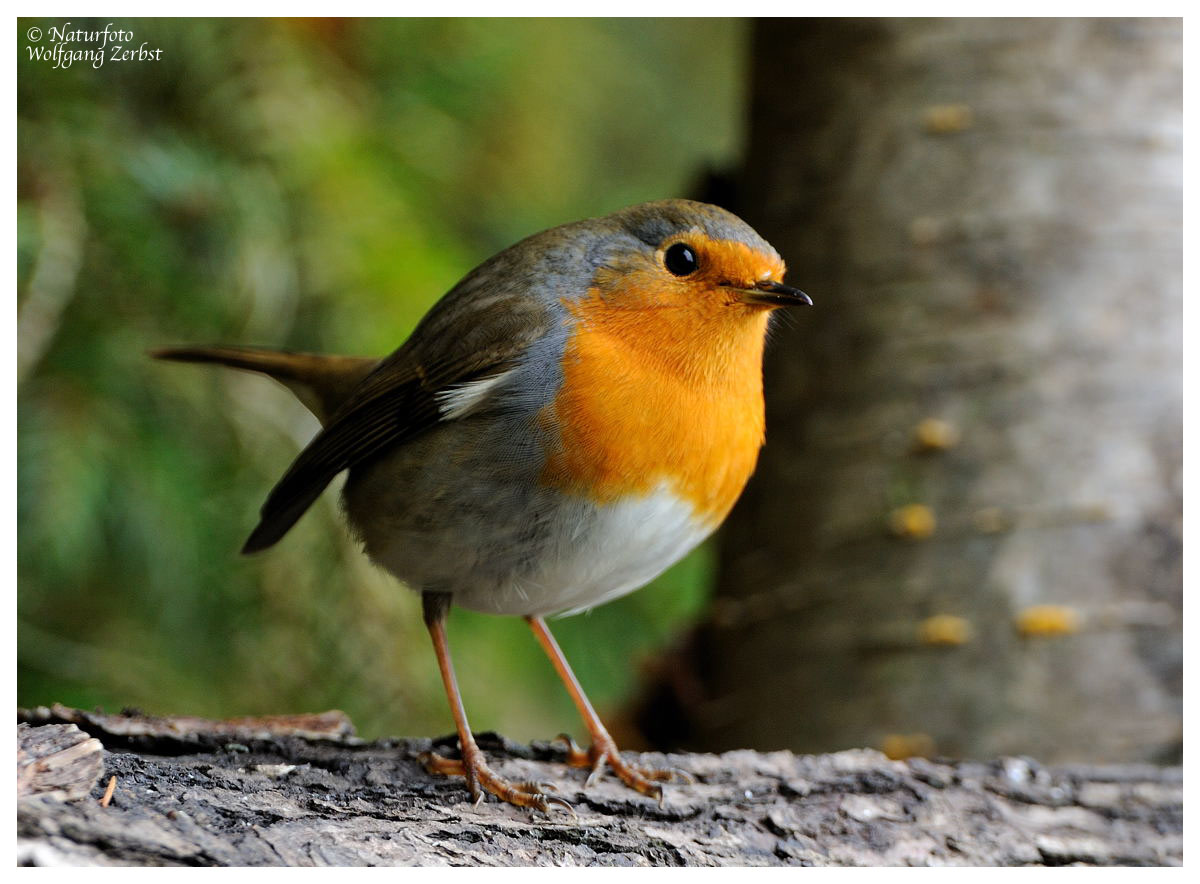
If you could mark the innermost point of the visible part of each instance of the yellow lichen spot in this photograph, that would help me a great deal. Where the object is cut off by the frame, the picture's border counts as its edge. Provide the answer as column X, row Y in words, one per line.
column 941, row 119
column 914, row 521
column 897, row 747
column 933, row 434
column 1048, row 620
column 944, row 629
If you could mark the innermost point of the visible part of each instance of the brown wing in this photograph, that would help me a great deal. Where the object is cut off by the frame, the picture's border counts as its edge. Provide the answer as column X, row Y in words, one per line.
column 465, row 338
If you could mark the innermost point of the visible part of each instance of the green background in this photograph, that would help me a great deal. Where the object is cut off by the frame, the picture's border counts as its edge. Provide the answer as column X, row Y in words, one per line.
column 313, row 185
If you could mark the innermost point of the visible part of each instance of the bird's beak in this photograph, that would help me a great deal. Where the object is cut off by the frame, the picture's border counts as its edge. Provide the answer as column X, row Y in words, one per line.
column 773, row 294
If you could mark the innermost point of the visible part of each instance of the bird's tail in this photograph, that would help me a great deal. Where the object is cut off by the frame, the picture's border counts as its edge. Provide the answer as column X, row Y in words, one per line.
column 322, row 383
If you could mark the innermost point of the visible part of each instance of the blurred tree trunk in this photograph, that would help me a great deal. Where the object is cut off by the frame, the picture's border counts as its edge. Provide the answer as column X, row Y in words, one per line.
column 982, row 414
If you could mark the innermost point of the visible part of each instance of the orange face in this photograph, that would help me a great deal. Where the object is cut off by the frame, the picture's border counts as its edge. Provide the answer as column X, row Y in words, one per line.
column 663, row 376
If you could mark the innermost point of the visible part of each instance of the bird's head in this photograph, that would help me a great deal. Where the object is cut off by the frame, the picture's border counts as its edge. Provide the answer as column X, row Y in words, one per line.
column 688, row 256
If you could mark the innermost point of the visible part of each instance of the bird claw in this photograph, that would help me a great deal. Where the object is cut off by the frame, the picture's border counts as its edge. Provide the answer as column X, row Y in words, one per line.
column 554, row 800
column 594, row 775
column 667, row 775
column 680, row 775
column 577, row 756
column 481, row 779
column 532, row 788
column 604, row 753
column 440, row 764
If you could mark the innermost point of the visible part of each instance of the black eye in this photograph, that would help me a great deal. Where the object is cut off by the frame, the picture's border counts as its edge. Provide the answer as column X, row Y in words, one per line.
column 681, row 260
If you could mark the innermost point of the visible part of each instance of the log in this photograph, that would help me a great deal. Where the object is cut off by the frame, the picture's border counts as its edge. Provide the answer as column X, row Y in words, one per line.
column 304, row 791
column 57, row 760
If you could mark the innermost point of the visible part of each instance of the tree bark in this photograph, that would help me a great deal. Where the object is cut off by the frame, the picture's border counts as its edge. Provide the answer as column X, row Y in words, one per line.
column 270, row 792
column 964, row 534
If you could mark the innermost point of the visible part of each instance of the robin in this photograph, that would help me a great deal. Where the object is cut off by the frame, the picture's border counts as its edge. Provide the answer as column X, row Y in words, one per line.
column 568, row 421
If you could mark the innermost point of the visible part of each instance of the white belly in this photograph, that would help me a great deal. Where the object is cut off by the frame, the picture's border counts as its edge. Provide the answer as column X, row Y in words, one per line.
column 598, row 553
column 498, row 542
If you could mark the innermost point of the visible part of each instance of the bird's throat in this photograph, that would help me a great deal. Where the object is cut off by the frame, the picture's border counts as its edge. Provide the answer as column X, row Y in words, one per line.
column 653, row 397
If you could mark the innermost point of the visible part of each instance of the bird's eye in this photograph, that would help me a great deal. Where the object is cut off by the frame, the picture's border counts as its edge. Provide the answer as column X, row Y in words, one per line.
column 681, row 260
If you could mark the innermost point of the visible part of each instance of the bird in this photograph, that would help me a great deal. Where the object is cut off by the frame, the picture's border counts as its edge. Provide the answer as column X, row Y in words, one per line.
column 570, row 419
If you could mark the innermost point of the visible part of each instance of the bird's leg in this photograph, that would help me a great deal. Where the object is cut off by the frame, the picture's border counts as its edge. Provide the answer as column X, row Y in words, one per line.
column 473, row 766
column 603, row 749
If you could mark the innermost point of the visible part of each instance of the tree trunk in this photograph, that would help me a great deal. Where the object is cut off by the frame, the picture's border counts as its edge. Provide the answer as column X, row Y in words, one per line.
column 964, row 535
column 283, row 791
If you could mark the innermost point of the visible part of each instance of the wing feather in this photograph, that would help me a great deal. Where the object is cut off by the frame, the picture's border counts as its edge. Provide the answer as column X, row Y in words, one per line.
column 461, row 341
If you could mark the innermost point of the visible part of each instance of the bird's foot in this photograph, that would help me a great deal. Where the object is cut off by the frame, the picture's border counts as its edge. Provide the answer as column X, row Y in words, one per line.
column 604, row 752
column 481, row 778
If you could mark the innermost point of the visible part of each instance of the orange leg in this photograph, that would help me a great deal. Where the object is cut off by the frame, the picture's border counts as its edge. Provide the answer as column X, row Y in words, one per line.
column 473, row 766
column 603, row 750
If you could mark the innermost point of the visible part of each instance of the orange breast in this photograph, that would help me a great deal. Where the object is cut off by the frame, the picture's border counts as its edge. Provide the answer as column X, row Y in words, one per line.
column 650, row 396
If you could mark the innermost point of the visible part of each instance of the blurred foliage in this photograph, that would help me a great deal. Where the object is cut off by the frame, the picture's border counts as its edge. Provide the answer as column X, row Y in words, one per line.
column 314, row 185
